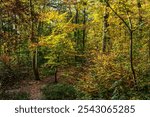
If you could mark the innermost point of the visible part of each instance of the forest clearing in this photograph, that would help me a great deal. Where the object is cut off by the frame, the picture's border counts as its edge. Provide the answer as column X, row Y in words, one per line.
column 74, row 49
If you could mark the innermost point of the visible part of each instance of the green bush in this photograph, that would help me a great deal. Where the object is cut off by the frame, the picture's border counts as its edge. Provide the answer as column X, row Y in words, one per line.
column 83, row 96
column 22, row 96
column 59, row 92
column 15, row 96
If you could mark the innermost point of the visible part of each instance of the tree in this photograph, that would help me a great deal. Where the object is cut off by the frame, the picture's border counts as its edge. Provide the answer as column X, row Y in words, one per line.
column 130, row 30
column 106, row 37
column 34, row 41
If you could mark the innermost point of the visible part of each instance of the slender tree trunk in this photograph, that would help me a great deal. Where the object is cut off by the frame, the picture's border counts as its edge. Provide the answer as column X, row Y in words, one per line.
column 84, row 30
column 149, row 47
column 35, row 65
column 83, row 35
column 106, row 37
column 131, row 58
column 140, row 28
column 139, row 6
column 35, row 52
column 76, row 34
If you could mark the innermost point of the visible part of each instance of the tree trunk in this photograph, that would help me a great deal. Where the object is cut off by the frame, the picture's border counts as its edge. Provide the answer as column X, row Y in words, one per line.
column 35, row 65
column 131, row 58
column 149, row 47
column 84, row 29
column 33, row 40
column 139, row 19
column 76, row 34
column 105, row 37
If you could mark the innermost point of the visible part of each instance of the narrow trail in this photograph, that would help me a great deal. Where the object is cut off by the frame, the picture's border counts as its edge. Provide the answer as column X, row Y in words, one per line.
column 34, row 87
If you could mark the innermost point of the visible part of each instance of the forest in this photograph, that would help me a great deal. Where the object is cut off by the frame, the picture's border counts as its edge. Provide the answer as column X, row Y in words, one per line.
column 74, row 49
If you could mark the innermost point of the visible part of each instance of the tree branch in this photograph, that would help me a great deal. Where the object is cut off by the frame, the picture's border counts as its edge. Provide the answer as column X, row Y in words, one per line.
column 118, row 15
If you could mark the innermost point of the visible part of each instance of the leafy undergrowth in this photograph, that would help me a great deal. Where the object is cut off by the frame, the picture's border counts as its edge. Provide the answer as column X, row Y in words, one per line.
column 85, row 85
column 15, row 96
column 59, row 92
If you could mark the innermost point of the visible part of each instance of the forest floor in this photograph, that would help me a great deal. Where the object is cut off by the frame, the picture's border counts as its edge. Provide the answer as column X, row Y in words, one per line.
column 34, row 87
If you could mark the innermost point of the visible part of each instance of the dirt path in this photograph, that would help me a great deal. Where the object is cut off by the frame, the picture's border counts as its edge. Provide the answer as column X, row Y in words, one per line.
column 34, row 87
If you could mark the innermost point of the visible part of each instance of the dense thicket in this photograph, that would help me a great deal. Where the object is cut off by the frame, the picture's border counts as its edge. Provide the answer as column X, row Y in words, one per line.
column 99, row 47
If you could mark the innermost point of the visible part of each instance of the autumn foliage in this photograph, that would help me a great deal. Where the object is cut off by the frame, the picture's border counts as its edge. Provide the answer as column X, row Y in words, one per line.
column 98, row 49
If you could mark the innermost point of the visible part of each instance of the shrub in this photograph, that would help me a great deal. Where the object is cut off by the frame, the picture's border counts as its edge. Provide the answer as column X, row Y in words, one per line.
column 22, row 96
column 87, row 88
column 59, row 92
column 83, row 96
column 14, row 96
